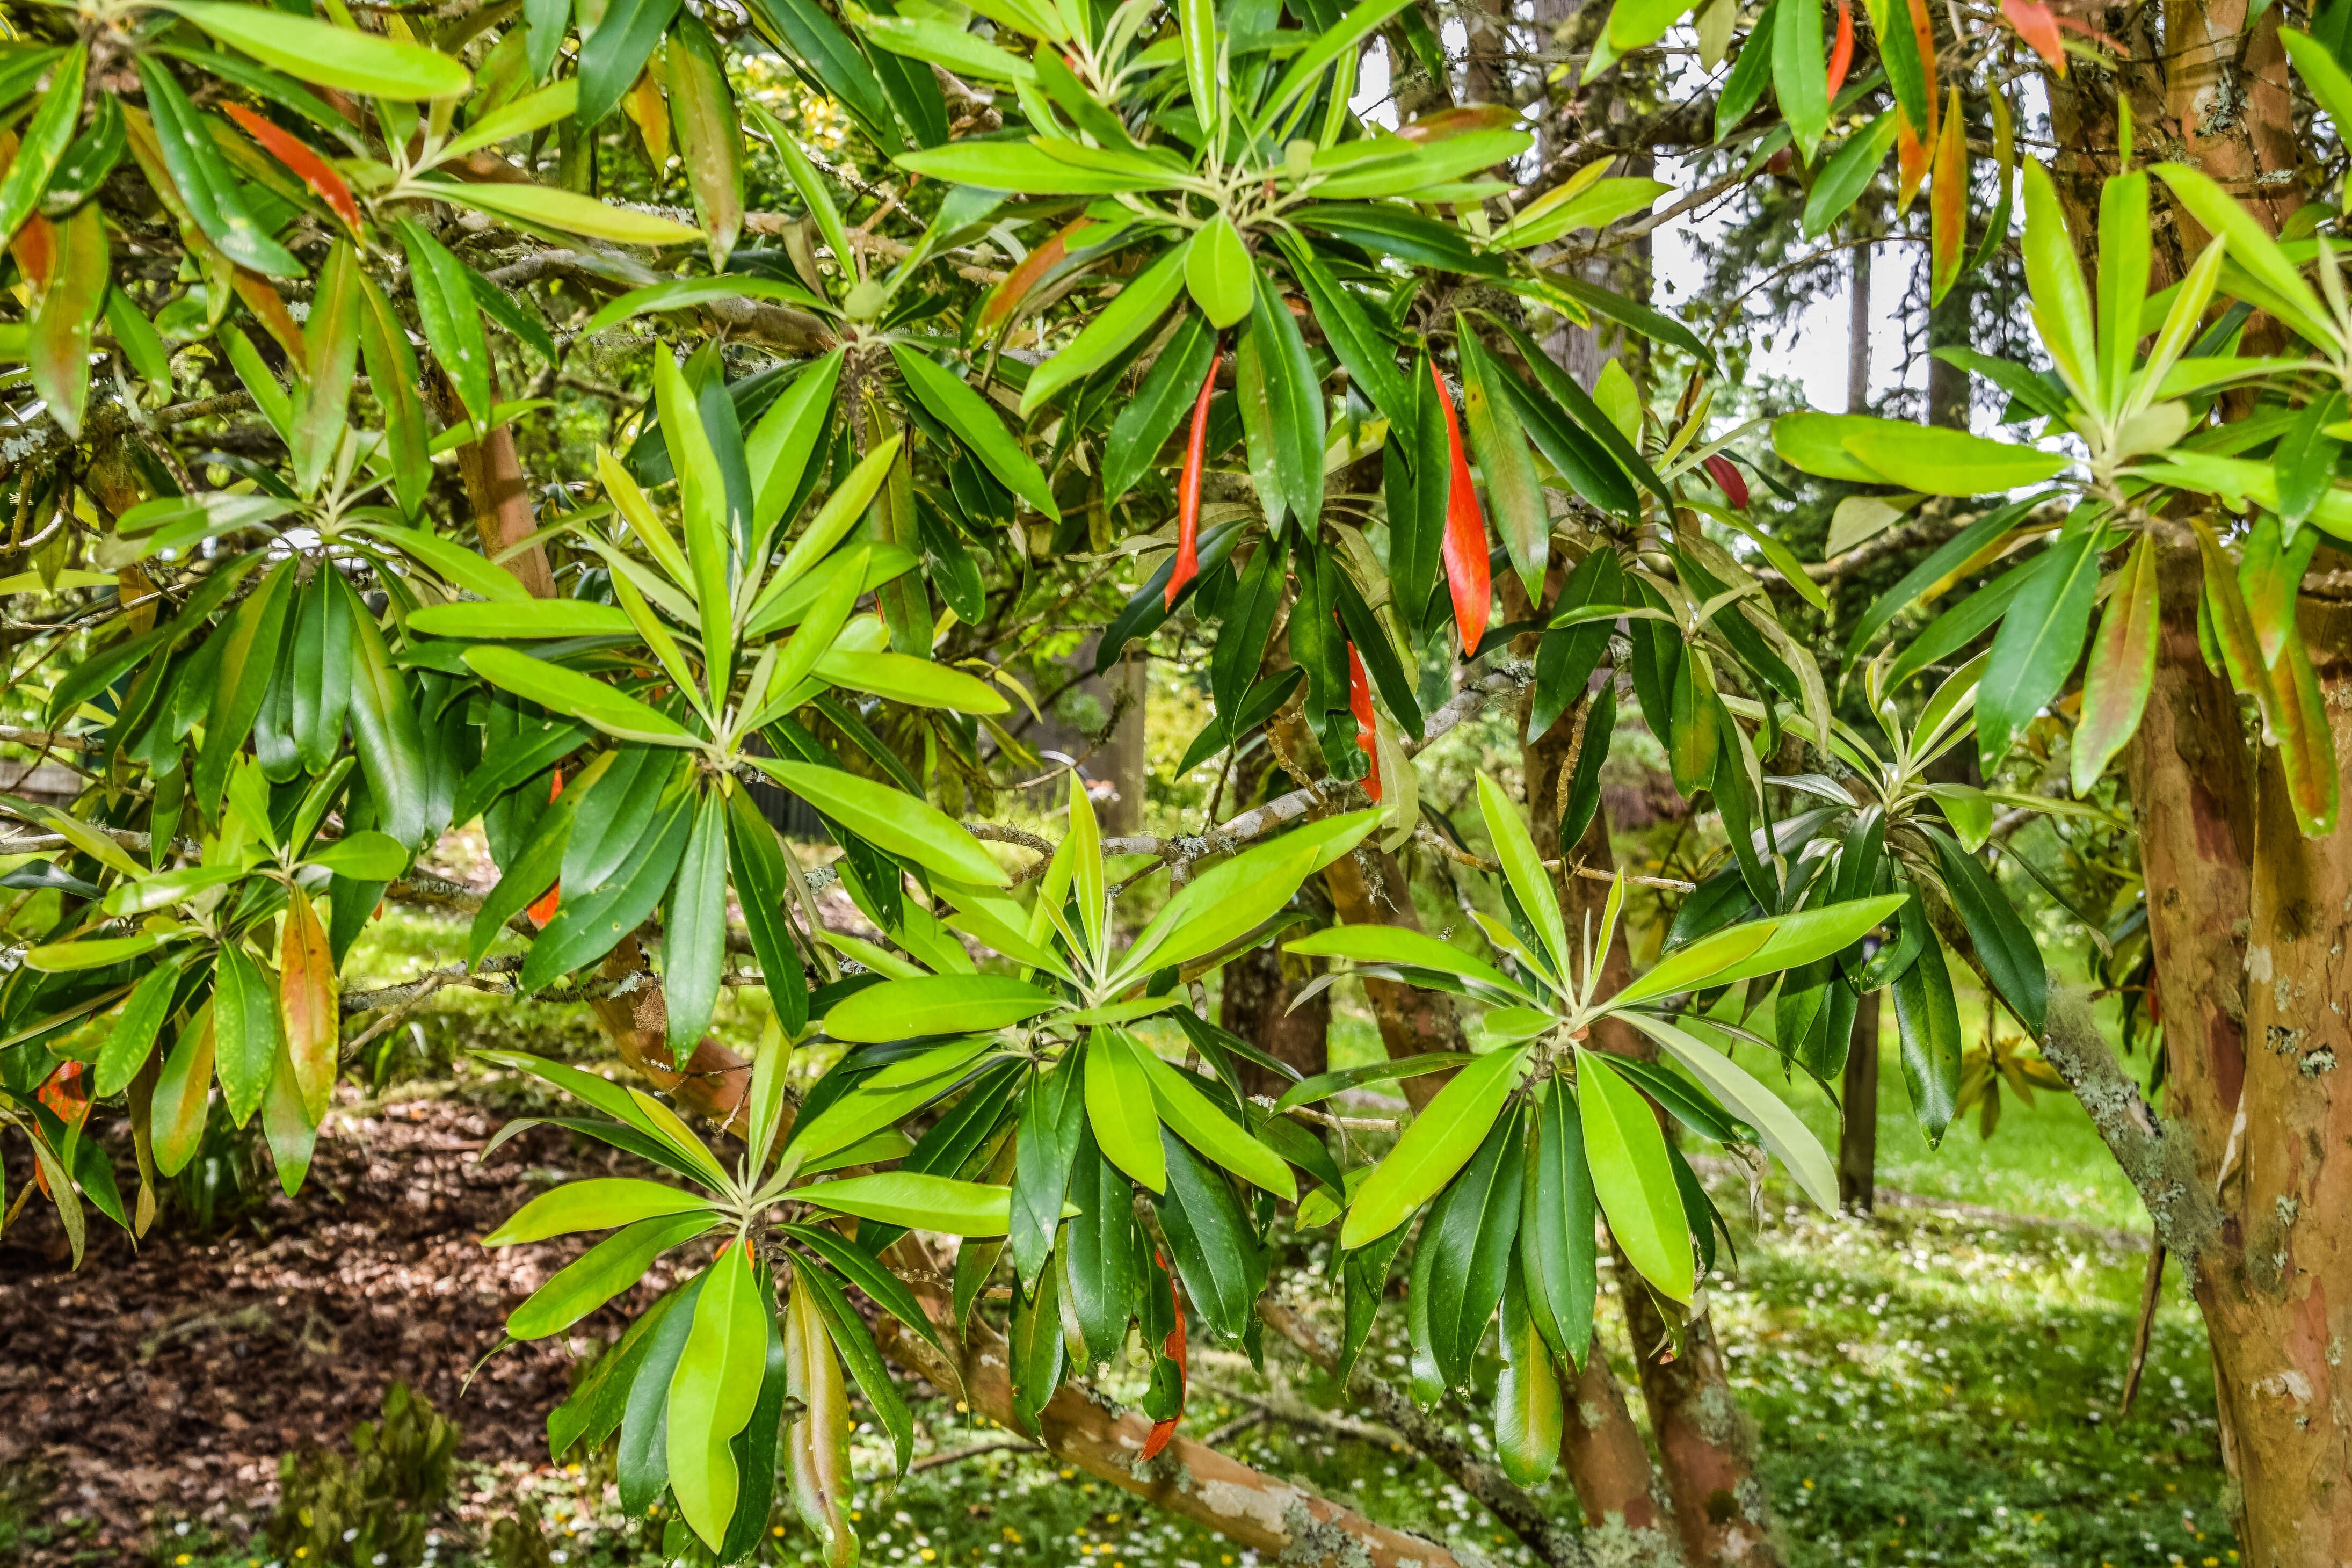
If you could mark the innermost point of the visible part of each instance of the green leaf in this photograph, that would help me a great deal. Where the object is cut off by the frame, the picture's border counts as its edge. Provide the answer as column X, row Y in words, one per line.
column 1361, row 345
column 132, row 1040
column 1632, row 1178
column 1210, row 1237
column 694, row 937
column 686, row 293
column 643, row 1459
column 366, row 854
column 1927, row 1021
column 528, row 618
column 1397, row 944
column 1217, row 270
column 1524, row 870
column 1193, row 1116
column 452, row 321
column 598, row 1204
column 2054, row 272
column 1761, row 947
column 855, row 1343
column 1558, row 1259
column 1945, row 462
column 1117, row 324
column 896, row 822
column 602, row 1272
column 1437, row 1145
column 2251, row 246
column 1291, row 396
column 581, row 696
column 244, row 1032
column 42, row 141
column 1232, row 897
column 1028, row 170
column 934, row 1005
column 1053, row 1120
column 2330, row 88
column 1529, row 1415
column 326, row 55
column 1122, row 1109
column 917, row 682
column 762, row 888
column 886, row 1290
column 1164, row 402
column 2003, row 942
column 2039, row 641
column 561, row 212
column 1848, row 173
column 917, row 1201
column 1800, row 77
column 1322, row 1086
column 977, row 425
column 1102, row 1253
column 713, row 1390
column 1780, row 1128
column 1470, row 1235
column 1576, row 204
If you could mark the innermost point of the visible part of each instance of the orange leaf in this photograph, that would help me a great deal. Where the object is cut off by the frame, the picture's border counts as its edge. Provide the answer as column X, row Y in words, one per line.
column 1842, row 49
column 1465, row 547
column 1007, row 296
column 1947, row 204
column 296, row 155
column 307, row 995
column 2036, row 25
column 1360, row 703
column 1188, row 489
column 1910, row 162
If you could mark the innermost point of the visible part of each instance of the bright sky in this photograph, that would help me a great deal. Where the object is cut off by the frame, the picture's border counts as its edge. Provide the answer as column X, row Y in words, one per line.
column 1813, row 353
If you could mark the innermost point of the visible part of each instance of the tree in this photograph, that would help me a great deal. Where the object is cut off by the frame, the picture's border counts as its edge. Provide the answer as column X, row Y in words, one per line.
column 1289, row 361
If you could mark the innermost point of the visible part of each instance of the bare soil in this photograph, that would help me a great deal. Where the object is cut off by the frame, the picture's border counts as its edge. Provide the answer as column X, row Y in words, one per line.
column 164, row 1380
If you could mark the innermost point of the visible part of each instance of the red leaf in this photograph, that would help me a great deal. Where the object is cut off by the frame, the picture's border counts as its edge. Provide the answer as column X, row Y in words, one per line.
column 1360, row 703
column 1842, row 49
column 1188, row 489
column 2036, row 25
column 297, row 155
column 1465, row 547
column 1729, row 480
column 36, row 249
column 1173, row 1349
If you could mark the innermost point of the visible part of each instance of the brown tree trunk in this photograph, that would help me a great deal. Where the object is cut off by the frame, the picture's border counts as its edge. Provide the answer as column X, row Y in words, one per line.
column 1625, row 1508
column 2250, row 923
column 1706, row 1443
column 1857, row 1163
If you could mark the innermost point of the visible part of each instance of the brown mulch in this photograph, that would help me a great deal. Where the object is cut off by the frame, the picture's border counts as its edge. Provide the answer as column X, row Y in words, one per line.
column 163, row 1381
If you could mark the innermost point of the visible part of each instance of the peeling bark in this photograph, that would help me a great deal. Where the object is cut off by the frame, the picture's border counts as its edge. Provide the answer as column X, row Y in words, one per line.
column 2250, row 1174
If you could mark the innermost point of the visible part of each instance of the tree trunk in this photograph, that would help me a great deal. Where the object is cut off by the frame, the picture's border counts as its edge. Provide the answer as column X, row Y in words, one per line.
column 1607, row 1462
column 2250, row 923
column 1705, row 1442
column 1857, row 333
column 1858, row 1134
